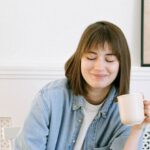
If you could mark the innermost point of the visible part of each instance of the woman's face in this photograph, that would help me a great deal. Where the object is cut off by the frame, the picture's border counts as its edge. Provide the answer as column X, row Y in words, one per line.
column 99, row 67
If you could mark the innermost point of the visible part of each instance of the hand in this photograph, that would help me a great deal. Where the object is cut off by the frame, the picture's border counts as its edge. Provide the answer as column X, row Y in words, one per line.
column 146, row 120
column 147, row 111
column 136, row 130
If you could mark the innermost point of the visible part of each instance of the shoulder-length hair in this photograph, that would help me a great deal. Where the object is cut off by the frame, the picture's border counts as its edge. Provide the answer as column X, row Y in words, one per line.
column 97, row 34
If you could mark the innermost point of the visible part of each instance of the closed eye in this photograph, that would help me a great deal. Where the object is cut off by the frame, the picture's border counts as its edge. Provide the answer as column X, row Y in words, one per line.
column 91, row 56
column 111, row 58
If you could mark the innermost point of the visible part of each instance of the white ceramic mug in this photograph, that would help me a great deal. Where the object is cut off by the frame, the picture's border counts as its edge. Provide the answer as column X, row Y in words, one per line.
column 131, row 108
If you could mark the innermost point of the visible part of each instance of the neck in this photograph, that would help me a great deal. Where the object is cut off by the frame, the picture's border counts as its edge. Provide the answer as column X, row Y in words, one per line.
column 96, row 96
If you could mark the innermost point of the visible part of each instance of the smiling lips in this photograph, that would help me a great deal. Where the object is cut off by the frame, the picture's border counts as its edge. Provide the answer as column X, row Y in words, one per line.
column 99, row 76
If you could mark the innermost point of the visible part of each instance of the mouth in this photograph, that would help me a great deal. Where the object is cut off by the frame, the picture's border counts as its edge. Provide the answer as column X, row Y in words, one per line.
column 101, row 76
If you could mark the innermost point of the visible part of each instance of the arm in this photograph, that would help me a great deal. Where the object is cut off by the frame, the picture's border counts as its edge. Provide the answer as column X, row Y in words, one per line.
column 36, row 127
column 134, row 138
column 137, row 130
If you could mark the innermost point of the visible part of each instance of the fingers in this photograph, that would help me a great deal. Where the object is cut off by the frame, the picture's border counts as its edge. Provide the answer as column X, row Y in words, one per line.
column 147, row 120
column 146, row 102
column 147, row 111
column 147, row 106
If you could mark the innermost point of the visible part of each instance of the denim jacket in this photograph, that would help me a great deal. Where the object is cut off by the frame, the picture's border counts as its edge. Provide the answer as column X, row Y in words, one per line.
column 56, row 116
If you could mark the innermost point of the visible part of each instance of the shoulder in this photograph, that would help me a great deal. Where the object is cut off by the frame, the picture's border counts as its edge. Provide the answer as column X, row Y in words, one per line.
column 56, row 84
column 54, row 94
column 56, row 90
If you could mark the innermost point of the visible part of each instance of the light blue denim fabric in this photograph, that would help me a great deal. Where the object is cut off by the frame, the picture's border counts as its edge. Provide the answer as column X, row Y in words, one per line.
column 56, row 117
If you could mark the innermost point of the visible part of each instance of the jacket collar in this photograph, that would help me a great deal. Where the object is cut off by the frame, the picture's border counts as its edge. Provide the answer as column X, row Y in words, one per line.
column 109, row 100
column 78, row 101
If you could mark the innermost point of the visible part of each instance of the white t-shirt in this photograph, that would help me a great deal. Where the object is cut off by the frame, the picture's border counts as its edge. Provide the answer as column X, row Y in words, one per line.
column 90, row 112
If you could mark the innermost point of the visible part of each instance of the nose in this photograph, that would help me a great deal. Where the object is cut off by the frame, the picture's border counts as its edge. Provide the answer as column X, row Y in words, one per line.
column 99, row 64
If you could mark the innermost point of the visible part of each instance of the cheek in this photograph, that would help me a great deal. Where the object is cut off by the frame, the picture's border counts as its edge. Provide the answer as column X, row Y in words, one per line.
column 85, row 65
column 114, row 68
column 82, row 66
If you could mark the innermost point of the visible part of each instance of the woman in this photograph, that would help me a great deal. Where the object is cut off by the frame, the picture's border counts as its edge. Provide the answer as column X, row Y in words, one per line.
column 80, row 112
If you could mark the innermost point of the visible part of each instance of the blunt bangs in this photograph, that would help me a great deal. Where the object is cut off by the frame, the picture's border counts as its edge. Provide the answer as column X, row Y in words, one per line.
column 99, row 37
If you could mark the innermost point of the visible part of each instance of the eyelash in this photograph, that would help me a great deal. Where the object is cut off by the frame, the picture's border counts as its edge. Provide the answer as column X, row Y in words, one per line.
column 95, row 58
column 110, row 60
column 91, row 58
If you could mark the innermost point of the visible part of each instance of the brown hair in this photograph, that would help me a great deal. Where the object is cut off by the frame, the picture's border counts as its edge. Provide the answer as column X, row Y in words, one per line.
column 95, row 34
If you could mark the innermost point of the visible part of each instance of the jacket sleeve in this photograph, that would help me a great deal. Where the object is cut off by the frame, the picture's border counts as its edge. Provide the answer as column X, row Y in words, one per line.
column 119, row 142
column 33, row 135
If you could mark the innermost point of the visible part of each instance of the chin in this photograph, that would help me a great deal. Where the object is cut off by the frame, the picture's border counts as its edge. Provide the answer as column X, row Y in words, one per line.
column 100, row 86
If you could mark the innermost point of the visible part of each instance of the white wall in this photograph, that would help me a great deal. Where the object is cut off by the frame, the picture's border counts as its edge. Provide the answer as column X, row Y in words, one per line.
column 37, row 36
column 18, row 86
column 34, row 32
